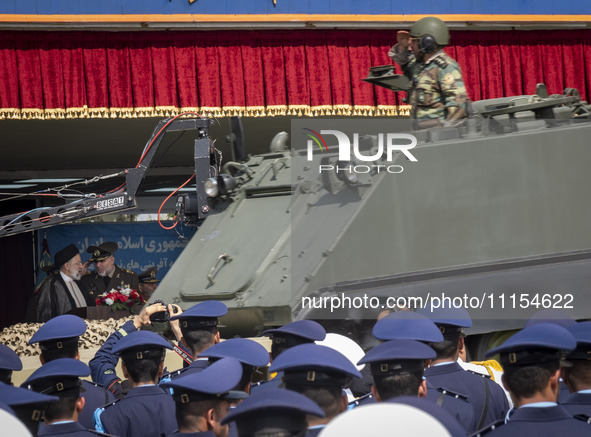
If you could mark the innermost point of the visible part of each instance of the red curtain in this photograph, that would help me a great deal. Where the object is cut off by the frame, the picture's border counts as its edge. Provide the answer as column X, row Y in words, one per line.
column 265, row 72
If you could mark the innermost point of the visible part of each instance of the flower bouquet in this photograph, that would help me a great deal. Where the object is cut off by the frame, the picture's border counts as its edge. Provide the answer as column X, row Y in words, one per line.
column 121, row 299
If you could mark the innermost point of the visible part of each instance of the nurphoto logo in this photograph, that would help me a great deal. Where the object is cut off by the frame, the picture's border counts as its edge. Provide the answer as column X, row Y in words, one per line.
column 387, row 145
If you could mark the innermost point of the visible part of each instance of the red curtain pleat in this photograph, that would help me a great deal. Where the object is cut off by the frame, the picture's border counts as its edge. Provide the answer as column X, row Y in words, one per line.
column 231, row 70
column 573, row 60
column 52, row 76
column 252, row 63
column 73, row 68
column 274, row 81
column 510, row 66
column 381, row 41
column 95, row 72
column 587, row 60
column 338, row 66
column 163, row 69
column 142, row 77
column 119, row 71
column 263, row 72
column 29, row 71
column 297, row 82
column 9, row 77
column 359, row 64
column 318, row 69
column 208, row 71
column 186, row 71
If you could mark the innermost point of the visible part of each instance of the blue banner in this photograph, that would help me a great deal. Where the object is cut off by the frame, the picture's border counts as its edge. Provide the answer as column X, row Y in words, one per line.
column 141, row 245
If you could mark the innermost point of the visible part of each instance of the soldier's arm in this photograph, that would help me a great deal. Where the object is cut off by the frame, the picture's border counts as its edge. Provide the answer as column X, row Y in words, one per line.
column 401, row 54
column 102, row 366
column 453, row 92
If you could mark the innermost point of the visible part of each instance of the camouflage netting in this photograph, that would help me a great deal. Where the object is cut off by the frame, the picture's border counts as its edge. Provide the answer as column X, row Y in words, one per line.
column 97, row 331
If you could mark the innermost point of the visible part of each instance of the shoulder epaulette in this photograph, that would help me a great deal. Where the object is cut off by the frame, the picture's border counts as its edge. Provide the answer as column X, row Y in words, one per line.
column 583, row 418
column 488, row 428
column 452, row 393
column 478, row 373
column 440, row 61
column 110, row 404
column 171, row 375
column 128, row 271
column 357, row 401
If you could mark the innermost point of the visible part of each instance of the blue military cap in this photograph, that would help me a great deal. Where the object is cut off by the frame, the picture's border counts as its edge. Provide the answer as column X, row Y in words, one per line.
column 140, row 341
column 582, row 333
column 397, row 357
column 16, row 396
column 450, row 320
column 305, row 329
column 215, row 381
column 273, row 409
column 202, row 315
column 539, row 343
column 9, row 360
column 314, row 364
column 551, row 316
column 57, row 376
column 244, row 350
column 407, row 325
column 59, row 332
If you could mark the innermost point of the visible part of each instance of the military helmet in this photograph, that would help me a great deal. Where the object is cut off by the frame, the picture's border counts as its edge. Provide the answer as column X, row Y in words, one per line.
column 432, row 33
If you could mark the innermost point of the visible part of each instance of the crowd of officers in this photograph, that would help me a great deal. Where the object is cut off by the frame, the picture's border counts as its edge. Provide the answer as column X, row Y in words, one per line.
column 413, row 382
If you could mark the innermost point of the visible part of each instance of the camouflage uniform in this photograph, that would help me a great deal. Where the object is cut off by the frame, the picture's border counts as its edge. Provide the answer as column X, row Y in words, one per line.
column 438, row 95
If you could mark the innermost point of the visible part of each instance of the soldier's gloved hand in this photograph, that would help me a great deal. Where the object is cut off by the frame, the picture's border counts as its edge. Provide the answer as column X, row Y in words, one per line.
column 175, row 310
column 143, row 318
column 403, row 40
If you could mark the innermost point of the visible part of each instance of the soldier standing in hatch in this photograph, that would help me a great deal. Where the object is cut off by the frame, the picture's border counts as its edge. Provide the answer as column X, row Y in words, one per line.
column 107, row 275
column 438, row 96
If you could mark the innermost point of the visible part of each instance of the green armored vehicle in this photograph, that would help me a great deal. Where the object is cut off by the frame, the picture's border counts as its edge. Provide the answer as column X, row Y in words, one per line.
column 494, row 215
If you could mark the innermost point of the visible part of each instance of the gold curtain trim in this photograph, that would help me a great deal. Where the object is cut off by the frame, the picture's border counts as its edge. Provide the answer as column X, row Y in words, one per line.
column 206, row 111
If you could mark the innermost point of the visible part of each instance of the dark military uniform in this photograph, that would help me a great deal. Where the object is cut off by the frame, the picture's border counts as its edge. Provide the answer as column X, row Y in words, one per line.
column 487, row 398
column 532, row 347
column 146, row 411
column 548, row 421
column 438, row 93
column 122, row 278
column 215, row 383
column 455, row 403
column 289, row 410
column 60, row 377
column 578, row 403
column 70, row 429
column 102, row 366
column 62, row 332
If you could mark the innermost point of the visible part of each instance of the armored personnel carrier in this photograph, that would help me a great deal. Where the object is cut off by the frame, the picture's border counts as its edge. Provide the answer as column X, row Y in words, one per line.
column 495, row 214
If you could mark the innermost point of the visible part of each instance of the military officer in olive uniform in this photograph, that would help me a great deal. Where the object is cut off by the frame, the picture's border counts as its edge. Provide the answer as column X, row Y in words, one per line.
column 438, row 96
column 148, row 283
column 107, row 275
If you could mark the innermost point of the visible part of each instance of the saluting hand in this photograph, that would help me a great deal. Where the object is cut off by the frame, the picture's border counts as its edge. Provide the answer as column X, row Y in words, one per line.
column 403, row 40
